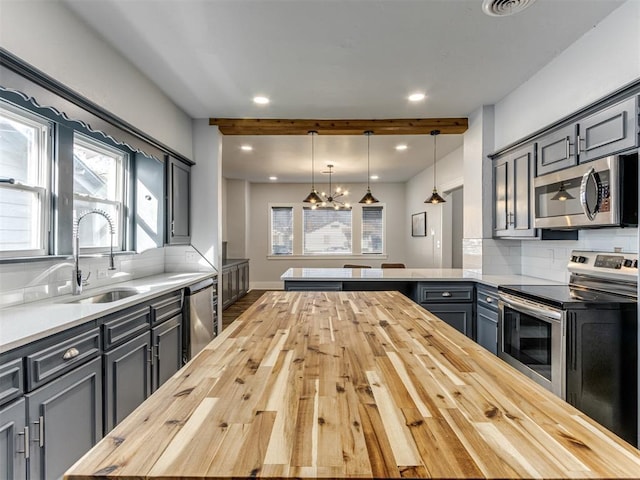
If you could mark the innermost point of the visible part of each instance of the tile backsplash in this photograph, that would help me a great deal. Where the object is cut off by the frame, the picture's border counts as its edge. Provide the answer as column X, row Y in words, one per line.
column 32, row 281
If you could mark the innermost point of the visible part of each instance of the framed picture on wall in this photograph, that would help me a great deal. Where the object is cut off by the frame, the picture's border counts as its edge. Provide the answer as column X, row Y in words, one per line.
column 419, row 224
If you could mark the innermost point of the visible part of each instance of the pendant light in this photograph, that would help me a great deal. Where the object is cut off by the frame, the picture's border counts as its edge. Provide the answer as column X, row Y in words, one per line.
column 434, row 198
column 368, row 198
column 562, row 195
column 313, row 198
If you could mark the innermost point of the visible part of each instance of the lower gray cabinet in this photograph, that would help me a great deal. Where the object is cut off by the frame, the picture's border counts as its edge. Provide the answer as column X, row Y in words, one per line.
column 487, row 318
column 127, row 378
column 12, row 438
column 167, row 346
column 451, row 302
column 64, row 420
column 459, row 316
column 235, row 281
column 310, row 286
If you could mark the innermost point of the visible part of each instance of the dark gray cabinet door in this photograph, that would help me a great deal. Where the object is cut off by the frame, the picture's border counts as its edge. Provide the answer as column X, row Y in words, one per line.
column 167, row 346
column 65, row 420
column 609, row 131
column 311, row 286
column 487, row 329
column 243, row 279
column 459, row 316
column 226, row 289
column 149, row 217
column 12, row 457
column 557, row 150
column 179, row 191
column 500, row 223
column 127, row 378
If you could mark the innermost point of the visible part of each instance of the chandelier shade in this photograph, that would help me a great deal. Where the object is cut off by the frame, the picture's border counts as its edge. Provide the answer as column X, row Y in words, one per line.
column 435, row 197
column 368, row 197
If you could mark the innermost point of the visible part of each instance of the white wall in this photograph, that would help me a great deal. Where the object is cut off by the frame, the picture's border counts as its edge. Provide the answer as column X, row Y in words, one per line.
column 606, row 58
column 265, row 273
column 48, row 36
column 426, row 252
column 237, row 219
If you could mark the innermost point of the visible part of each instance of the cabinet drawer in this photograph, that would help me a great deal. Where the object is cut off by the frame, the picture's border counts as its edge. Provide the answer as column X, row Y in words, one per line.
column 487, row 297
column 121, row 326
column 444, row 293
column 166, row 307
column 11, row 380
column 49, row 363
column 312, row 286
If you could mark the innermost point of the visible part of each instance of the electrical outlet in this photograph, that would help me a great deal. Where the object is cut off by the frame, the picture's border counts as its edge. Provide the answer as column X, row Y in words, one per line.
column 191, row 257
column 101, row 273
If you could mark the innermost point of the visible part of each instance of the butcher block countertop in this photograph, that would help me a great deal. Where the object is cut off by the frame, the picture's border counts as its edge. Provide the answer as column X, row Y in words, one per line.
column 352, row 385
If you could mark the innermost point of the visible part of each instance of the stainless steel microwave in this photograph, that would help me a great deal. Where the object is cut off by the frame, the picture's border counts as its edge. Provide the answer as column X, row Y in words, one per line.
column 602, row 193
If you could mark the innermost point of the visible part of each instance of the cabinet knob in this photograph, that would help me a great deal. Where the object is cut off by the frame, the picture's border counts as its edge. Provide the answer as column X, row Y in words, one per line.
column 489, row 300
column 71, row 353
column 446, row 294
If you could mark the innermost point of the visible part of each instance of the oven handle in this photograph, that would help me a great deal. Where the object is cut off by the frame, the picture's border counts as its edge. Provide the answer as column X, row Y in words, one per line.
column 535, row 309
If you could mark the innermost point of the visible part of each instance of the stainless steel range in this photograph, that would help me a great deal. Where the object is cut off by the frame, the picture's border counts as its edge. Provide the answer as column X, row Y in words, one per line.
column 580, row 340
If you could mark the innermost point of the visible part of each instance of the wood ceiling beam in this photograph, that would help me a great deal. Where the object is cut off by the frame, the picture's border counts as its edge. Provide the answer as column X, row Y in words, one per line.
column 396, row 126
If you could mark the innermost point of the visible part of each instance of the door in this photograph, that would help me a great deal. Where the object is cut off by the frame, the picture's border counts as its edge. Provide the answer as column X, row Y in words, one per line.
column 127, row 378
column 65, row 420
column 557, row 150
column 12, row 441
column 487, row 329
column 500, row 223
column 521, row 193
column 179, row 202
column 167, row 346
column 459, row 316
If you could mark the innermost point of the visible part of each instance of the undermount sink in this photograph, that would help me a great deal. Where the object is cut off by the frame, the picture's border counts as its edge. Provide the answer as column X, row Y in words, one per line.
column 108, row 296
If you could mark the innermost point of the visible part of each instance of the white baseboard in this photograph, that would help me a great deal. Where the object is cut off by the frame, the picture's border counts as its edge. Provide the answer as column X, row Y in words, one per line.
column 266, row 285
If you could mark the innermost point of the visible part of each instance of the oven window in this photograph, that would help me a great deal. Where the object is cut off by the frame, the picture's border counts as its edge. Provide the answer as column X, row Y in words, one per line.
column 528, row 340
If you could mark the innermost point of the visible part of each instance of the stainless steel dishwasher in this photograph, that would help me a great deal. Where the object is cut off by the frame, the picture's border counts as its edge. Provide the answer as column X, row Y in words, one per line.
column 199, row 316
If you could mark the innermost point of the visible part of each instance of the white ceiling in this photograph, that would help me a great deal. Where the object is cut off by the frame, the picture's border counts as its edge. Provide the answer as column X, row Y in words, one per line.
column 322, row 59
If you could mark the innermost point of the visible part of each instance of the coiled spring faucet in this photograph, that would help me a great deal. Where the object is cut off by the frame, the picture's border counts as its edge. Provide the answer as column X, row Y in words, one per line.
column 76, row 279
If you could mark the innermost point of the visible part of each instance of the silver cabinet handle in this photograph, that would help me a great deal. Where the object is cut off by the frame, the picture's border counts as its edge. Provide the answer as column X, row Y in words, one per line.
column 40, row 439
column 71, row 353
column 489, row 300
column 568, row 145
column 25, row 434
column 150, row 352
column 446, row 294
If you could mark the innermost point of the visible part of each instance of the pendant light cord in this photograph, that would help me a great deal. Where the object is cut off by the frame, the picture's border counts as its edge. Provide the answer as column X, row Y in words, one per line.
column 313, row 183
column 435, row 160
column 368, row 152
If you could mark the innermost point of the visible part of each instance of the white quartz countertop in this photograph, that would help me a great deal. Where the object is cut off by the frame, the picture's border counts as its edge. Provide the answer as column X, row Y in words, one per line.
column 25, row 323
column 408, row 274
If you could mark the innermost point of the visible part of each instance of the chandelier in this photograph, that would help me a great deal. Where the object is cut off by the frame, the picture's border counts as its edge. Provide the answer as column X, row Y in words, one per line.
column 330, row 200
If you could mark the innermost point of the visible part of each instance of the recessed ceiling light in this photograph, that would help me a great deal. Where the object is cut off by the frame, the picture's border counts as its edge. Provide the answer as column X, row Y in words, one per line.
column 401, row 147
column 246, row 148
column 260, row 100
column 374, row 177
column 272, row 178
column 416, row 97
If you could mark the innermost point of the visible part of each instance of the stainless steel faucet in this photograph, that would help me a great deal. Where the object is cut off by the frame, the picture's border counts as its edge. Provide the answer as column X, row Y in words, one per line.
column 77, row 281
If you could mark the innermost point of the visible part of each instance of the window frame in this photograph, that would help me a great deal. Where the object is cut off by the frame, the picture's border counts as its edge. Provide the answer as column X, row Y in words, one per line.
column 298, row 235
column 122, row 191
column 44, row 168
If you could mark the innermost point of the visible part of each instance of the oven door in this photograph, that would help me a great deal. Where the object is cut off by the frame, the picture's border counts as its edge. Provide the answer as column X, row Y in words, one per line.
column 581, row 196
column 531, row 339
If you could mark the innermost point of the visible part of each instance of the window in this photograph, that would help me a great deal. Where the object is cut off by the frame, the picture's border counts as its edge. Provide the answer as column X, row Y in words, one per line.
column 281, row 231
column 372, row 230
column 24, row 186
column 98, row 183
column 326, row 231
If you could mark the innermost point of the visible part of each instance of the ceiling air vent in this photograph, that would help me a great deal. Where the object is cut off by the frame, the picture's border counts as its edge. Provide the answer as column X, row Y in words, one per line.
column 504, row 8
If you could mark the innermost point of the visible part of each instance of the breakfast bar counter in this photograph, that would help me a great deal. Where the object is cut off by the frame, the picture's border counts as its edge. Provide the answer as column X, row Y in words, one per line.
column 352, row 385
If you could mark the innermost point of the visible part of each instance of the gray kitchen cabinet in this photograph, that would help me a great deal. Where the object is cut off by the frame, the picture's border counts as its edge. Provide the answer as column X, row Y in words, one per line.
column 557, row 150
column 243, row 279
column 451, row 302
column 313, row 285
column 150, row 207
column 512, row 173
column 127, row 378
column 12, row 441
column 235, row 281
column 166, row 340
column 178, row 203
column 11, row 379
column 608, row 131
column 65, row 420
column 487, row 317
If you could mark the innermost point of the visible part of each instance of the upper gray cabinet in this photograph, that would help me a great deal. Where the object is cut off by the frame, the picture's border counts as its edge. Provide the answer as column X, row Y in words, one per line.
column 512, row 173
column 149, row 203
column 178, row 204
column 608, row 131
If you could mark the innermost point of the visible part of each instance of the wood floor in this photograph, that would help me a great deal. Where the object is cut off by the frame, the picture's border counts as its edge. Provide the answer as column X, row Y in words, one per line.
column 235, row 310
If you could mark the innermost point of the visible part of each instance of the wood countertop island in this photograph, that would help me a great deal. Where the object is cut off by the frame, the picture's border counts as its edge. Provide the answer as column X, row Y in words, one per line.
column 352, row 385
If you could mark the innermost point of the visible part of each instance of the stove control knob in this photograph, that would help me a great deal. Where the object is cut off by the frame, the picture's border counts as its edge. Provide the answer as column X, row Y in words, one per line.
column 628, row 263
column 635, row 264
column 574, row 258
column 582, row 259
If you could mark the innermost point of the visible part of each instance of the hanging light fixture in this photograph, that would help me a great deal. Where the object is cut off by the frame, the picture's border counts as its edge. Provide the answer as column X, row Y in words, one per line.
column 562, row 194
column 435, row 198
column 368, row 197
column 313, row 198
column 331, row 200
